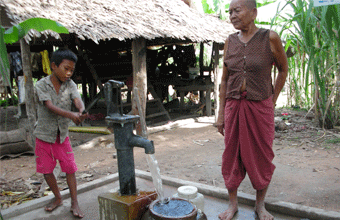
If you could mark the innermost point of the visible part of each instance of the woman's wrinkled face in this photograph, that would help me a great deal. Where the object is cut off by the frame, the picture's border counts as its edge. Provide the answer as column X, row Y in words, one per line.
column 240, row 15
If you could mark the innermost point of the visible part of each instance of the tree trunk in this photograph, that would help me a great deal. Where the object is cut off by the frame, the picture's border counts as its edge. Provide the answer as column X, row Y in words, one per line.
column 139, row 77
column 15, row 149
column 13, row 136
column 14, row 142
column 29, row 91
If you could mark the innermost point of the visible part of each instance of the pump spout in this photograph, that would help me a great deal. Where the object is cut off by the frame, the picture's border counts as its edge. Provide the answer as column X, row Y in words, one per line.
column 138, row 141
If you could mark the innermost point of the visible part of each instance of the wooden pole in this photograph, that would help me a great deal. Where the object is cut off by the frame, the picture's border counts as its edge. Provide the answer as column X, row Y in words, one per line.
column 139, row 78
column 29, row 91
column 201, row 57
column 140, row 112
column 217, row 77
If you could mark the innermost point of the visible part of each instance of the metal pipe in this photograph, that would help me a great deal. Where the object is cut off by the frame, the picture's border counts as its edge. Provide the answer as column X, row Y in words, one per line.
column 126, row 172
column 138, row 141
column 125, row 140
column 126, row 165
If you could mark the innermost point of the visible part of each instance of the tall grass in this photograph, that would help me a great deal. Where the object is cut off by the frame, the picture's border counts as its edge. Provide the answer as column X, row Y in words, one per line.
column 314, row 71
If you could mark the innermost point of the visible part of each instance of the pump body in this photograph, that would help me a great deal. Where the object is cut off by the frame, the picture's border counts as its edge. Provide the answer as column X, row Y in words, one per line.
column 125, row 140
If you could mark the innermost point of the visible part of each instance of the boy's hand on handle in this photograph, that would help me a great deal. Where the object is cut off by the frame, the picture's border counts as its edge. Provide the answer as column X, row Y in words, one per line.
column 84, row 115
column 76, row 117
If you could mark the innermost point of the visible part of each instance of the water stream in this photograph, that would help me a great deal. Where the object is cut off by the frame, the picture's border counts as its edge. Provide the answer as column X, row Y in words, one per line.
column 156, row 176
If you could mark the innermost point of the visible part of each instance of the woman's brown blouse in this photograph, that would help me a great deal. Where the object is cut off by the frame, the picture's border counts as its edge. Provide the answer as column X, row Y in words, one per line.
column 251, row 61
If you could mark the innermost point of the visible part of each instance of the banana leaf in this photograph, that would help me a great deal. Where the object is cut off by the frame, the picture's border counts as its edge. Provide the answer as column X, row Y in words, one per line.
column 17, row 32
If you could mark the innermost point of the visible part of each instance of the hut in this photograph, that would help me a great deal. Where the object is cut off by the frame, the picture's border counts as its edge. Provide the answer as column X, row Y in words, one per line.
column 113, row 40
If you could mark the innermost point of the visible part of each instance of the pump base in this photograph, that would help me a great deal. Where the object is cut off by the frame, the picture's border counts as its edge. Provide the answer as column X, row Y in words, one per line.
column 113, row 206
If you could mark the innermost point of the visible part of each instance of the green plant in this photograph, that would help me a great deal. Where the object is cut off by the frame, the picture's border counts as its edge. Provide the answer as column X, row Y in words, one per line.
column 327, row 147
column 9, row 101
column 313, row 33
column 333, row 141
column 221, row 7
column 216, row 7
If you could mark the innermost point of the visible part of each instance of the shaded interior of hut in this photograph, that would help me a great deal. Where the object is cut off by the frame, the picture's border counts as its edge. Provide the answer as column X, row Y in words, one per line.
column 176, row 85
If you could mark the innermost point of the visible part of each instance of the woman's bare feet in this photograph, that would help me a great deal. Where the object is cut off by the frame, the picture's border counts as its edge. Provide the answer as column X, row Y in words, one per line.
column 50, row 207
column 229, row 213
column 262, row 213
column 76, row 210
column 260, row 208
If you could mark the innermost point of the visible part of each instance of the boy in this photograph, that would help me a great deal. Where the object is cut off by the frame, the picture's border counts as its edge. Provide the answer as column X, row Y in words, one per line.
column 55, row 96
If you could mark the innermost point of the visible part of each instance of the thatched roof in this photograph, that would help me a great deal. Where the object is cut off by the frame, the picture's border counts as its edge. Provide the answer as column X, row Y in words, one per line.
column 123, row 19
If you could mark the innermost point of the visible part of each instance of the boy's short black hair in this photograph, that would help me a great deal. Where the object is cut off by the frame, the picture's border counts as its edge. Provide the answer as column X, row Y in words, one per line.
column 59, row 55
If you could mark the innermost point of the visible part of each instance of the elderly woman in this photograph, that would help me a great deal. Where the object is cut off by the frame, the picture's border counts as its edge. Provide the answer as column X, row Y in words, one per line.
column 247, row 96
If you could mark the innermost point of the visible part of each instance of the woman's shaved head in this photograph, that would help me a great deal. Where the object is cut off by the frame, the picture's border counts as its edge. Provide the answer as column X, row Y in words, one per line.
column 250, row 4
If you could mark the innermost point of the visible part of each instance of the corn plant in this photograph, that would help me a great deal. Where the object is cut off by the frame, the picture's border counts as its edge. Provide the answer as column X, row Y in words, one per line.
column 314, row 71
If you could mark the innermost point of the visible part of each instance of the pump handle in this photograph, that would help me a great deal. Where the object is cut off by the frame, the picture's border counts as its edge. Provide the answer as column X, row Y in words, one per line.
column 116, row 84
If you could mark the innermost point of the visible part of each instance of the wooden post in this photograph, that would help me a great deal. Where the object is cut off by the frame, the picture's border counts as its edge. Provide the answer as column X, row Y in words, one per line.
column 201, row 57
column 139, row 77
column 140, row 112
column 208, row 101
column 217, row 77
column 29, row 91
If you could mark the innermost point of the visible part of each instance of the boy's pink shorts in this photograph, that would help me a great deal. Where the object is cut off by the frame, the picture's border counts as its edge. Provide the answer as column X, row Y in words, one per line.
column 47, row 155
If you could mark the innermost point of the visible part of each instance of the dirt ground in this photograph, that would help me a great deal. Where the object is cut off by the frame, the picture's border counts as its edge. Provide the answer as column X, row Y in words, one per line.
column 307, row 161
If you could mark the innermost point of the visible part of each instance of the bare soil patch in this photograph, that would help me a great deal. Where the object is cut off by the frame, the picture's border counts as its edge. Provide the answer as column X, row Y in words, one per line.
column 307, row 161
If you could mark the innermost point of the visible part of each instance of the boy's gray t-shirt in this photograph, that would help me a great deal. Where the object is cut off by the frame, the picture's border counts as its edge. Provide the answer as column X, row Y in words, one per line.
column 48, row 122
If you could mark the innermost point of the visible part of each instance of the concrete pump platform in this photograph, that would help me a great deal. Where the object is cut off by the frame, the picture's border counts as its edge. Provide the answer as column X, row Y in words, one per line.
column 215, row 201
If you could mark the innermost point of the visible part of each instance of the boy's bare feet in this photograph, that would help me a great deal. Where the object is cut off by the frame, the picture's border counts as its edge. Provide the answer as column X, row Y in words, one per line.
column 76, row 210
column 50, row 207
column 262, row 213
column 229, row 213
